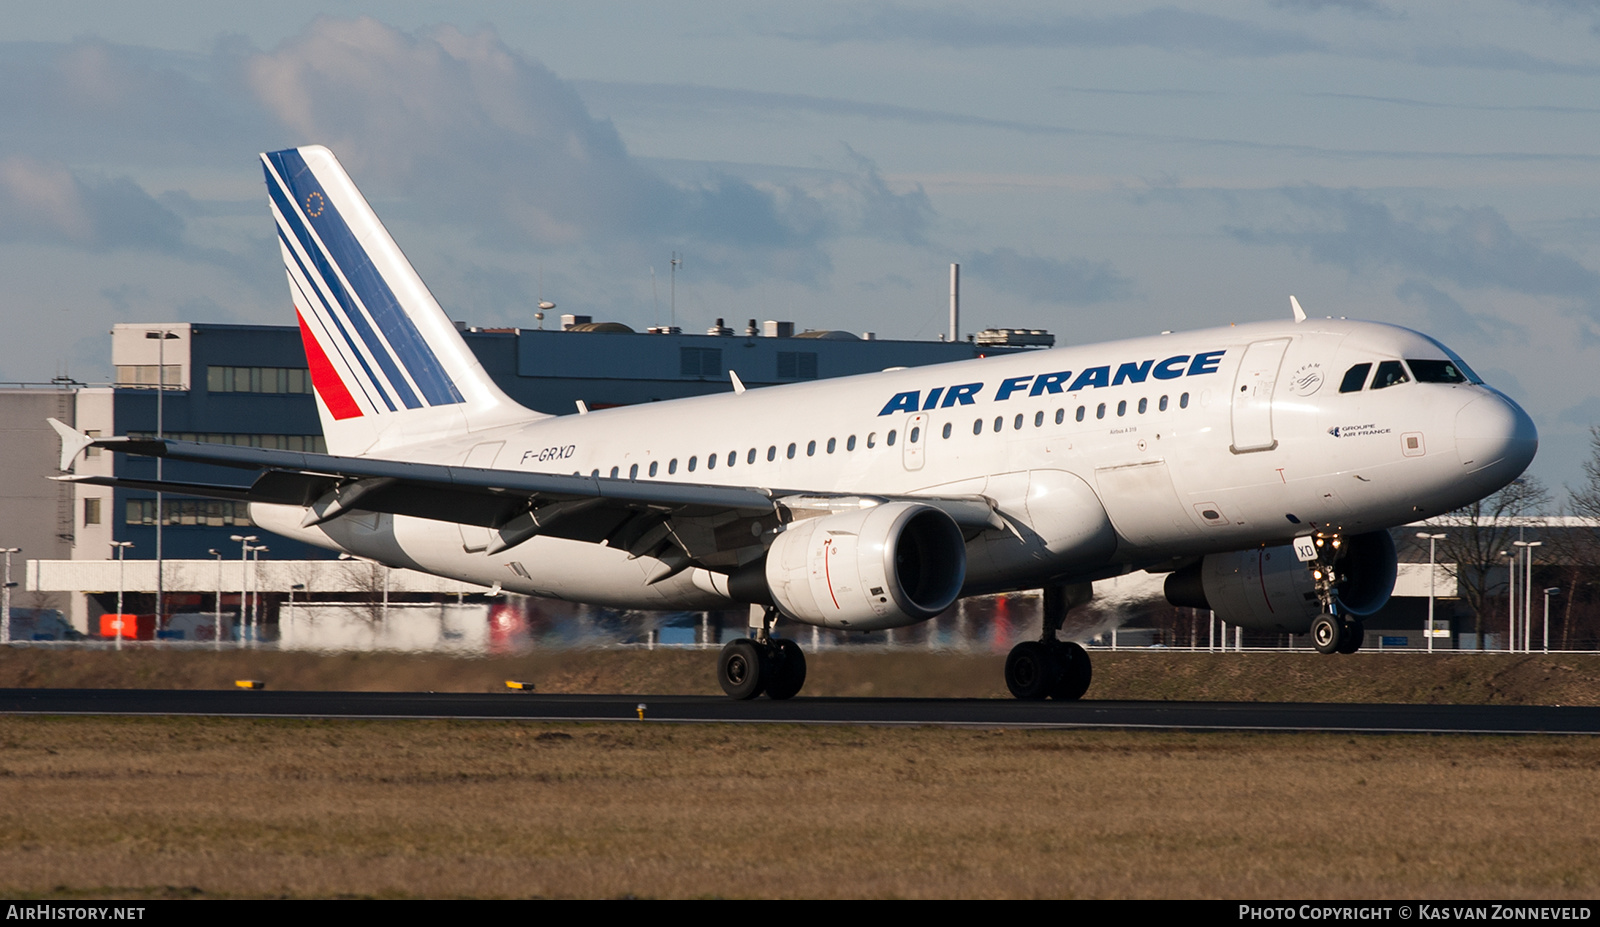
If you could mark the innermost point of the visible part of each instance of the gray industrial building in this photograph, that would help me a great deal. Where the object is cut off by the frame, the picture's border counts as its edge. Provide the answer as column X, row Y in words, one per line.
column 248, row 385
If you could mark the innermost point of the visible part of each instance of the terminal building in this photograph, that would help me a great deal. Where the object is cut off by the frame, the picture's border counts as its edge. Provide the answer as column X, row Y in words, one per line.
column 248, row 385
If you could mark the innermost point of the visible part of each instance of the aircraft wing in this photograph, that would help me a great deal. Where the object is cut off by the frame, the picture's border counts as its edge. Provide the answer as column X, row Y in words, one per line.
column 713, row 526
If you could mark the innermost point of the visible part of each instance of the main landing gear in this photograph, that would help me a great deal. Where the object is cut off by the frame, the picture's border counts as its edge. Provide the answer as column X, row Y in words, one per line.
column 1051, row 668
column 749, row 667
column 1331, row 632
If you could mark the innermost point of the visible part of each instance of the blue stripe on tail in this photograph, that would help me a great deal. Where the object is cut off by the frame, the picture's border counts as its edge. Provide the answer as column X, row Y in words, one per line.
column 341, row 248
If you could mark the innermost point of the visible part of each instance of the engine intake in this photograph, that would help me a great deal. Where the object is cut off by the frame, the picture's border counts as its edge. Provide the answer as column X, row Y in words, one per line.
column 885, row 566
column 1270, row 589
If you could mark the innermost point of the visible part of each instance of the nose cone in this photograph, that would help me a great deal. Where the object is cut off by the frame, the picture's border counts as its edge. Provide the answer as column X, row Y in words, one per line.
column 1495, row 439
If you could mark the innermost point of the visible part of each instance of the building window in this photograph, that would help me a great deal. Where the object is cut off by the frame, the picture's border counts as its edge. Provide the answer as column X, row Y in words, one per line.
column 797, row 365
column 143, row 376
column 700, row 362
column 257, row 380
column 211, row 513
column 91, row 511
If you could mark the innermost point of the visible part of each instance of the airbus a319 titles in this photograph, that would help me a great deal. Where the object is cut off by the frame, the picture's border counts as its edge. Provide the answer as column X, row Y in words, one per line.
column 1257, row 465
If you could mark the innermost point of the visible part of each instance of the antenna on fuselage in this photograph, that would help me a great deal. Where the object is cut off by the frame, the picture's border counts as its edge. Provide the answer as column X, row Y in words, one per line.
column 1299, row 314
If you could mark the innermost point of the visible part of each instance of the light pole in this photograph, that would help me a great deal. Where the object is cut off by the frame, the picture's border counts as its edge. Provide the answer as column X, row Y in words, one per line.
column 292, row 588
column 161, row 336
column 216, row 611
column 1430, row 538
column 1525, row 549
column 1553, row 590
column 255, row 596
column 121, row 548
column 244, row 579
column 1511, row 596
column 5, row 597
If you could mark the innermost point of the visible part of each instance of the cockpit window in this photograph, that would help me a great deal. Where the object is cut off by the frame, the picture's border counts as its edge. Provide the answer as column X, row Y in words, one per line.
column 1461, row 365
column 1389, row 374
column 1436, row 371
column 1355, row 378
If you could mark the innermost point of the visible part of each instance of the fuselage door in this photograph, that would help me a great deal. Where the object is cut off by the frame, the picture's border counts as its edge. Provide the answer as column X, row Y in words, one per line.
column 916, row 437
column 1252, row 396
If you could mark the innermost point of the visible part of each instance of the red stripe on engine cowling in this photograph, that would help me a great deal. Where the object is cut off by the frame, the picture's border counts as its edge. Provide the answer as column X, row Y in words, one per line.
column 341, row 405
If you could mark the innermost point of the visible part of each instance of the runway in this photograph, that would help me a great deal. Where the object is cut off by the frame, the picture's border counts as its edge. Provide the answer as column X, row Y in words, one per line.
column 1173, row 716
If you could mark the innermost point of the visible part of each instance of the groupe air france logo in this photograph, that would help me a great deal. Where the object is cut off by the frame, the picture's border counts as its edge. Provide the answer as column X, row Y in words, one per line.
column 315, row 204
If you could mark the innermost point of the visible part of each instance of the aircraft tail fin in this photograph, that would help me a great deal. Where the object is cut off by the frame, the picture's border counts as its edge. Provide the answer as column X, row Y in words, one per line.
column 387, row 365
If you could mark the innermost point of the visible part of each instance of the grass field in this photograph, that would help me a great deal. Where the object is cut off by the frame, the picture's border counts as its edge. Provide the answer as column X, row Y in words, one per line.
column 188, row 807
column 252, row 808
column 1461, row 678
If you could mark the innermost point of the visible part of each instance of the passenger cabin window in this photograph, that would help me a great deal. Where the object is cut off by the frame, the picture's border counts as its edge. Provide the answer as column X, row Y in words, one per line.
column 890, row 439
column 1389, row 373
column 1355, row 378
column 1436, row 371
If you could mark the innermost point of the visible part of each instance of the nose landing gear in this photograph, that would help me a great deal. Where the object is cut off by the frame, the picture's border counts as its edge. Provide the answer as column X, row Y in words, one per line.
column 1330, row 631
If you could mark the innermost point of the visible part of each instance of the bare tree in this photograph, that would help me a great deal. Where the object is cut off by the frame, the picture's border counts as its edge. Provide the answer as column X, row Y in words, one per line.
column 1476, row 539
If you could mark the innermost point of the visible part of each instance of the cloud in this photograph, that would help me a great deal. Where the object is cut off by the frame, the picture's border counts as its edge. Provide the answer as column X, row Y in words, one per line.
column 1445, row 313
column 1563, row 8
column 1370, row 8
column 472, row 132
column 1471, row 247
column 47, row 202
column 883, row 213
column 1164, row 29
column 1073, row 281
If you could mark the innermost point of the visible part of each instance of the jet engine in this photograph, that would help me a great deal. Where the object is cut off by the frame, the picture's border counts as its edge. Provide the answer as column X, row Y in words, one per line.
column 1270, row 589
column 885, row 566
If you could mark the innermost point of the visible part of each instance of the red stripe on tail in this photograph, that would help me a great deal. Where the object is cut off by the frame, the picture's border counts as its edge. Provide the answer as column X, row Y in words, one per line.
column 341, row 405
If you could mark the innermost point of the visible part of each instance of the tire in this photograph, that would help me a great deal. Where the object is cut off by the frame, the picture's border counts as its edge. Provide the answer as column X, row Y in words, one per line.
column 1354, row 634
column 1031, row 670
column 1077, row 672
column 788, row 670
column 741, row 669
column 1327, row 633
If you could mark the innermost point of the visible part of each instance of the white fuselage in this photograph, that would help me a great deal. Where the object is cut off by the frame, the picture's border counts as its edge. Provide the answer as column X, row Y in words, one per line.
column 1104, row 457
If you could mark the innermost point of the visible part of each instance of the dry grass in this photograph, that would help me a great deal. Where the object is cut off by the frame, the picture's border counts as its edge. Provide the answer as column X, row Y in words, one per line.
column 249, row 808
column 1556, row 679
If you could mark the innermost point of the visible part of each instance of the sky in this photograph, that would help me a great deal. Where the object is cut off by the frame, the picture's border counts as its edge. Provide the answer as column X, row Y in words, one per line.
column 1101, row 170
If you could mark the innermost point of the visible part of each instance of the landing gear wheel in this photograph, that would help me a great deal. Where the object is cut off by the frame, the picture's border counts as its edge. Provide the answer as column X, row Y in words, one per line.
column 742, row 669
column 1031, row 670
column 788, row 670
column 1327, row 633
column 1351, row 637
column 1075, row 671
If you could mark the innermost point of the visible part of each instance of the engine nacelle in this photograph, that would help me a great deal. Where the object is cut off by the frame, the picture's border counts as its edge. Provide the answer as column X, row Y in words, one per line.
column 1270, row 589
column 885, row 566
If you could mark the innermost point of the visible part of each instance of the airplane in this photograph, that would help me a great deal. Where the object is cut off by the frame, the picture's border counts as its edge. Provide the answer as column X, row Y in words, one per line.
column 1258, row 465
